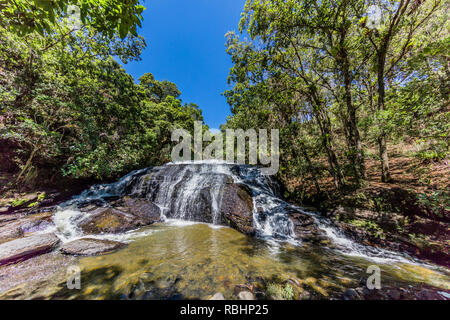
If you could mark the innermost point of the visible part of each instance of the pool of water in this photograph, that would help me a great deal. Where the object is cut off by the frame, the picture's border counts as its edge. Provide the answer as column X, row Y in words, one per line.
column 195, row 260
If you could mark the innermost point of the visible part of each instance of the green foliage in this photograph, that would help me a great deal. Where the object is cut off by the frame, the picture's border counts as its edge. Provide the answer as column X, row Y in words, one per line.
column 280, row 292
column 371, row 226
column 109, row 17
column 68, row 108
column 437, row 202
column 336, row 88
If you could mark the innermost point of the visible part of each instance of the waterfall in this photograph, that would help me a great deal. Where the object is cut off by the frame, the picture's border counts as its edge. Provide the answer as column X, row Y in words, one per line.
column 194, row 192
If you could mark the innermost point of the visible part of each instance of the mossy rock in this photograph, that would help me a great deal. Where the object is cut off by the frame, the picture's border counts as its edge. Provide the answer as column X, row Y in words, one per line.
column 109, row 220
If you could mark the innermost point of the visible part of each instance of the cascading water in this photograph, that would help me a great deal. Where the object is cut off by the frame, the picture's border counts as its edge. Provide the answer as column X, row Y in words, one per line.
column 195, row 191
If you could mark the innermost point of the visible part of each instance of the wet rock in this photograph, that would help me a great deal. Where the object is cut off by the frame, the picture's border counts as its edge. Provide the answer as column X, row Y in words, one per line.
column 110, row 220
column 28, row 247
column 304, row 295
column 421, row 292
column 89, row 247
column 305, row 228
column 35, row 278
column 10, row 232
column 18, row 225
column 351, row 294
column 246, row 295
column 217, row 296
column 237, row 207
column 142, row 208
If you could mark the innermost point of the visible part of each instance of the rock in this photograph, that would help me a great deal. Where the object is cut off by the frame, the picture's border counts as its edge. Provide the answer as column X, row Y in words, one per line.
column 305, row 228
column 304, row 295
column 18, row 225
column 246, row 295
column 28, row 247
column 217, row 296
column 89, row 247
column 36, row 222
column 237, row 207
column 10, row 232
column 32, row 278
column 126, row 214
column 142, row 208
column 241, row 287
column 110, row 220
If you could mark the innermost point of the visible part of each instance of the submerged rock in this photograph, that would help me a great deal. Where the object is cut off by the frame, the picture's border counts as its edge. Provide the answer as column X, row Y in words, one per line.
column 237, row 207
column 89, row 247
column 28, row 247
column 389, row 292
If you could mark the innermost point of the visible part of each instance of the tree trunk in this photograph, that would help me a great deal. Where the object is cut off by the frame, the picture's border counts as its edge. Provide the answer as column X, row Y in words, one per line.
column 311, row 168
column 335, row 168
column 28, row 164
column 356, row 152
column 382, row 145
column 325, row 128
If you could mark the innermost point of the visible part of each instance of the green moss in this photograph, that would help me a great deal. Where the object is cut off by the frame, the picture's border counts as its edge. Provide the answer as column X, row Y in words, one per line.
column 41, row 197
column 33, row 204
column 108, row 222
column 17, row 202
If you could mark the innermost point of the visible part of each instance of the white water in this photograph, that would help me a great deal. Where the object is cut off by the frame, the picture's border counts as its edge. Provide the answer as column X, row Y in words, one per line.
column 192, row 193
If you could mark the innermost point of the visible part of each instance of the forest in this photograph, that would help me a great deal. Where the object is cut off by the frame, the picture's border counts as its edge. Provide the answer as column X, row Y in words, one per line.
column 68, row 108
column 357, row 101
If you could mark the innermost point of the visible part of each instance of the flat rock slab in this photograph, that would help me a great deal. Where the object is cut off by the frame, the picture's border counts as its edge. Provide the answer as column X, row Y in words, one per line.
column 18, row 225
column 90, row 247
column 28, row 247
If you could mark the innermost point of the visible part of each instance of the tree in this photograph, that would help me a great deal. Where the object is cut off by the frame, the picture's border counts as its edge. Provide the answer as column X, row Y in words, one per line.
column 157, row 91
column 403, row 21
column 109, row 17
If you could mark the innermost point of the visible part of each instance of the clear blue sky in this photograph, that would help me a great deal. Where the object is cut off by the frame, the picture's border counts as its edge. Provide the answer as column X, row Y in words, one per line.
column 186, row 45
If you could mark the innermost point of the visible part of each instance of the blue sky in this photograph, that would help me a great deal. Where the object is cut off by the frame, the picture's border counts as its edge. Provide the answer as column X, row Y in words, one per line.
column 186, row 45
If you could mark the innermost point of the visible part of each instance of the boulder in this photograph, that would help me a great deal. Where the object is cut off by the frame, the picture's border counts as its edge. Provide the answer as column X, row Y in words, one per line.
column 144, row 209
column 89, row 247
column 127, row 214
column 27, row 247
column 237, row 207
column 109, row 220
